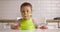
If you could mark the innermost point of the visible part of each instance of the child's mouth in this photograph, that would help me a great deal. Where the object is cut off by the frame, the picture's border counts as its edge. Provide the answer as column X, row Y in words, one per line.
column 25, row 15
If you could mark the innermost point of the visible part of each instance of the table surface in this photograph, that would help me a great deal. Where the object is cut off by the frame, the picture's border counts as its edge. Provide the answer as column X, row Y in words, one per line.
column 37, row 30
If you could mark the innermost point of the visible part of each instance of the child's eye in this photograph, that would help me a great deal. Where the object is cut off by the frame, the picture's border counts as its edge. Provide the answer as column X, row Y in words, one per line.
column 27, row 10
column 23, row 11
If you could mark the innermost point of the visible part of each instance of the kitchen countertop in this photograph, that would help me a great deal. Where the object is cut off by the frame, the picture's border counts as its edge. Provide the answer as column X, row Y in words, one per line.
column 7, row 20
column 53, row 20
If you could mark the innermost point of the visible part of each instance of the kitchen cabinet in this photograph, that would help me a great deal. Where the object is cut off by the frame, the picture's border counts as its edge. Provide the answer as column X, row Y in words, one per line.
column 55, row 23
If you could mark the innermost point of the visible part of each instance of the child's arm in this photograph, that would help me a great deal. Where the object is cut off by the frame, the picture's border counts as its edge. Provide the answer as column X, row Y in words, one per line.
column 40, row 27
column 14, row 26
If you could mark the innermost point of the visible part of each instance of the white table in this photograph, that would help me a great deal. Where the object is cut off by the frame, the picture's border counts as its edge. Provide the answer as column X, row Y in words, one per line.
column 37, row 30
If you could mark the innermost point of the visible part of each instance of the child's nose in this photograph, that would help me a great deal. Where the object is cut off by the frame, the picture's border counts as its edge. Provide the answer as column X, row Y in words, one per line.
column 25, row 12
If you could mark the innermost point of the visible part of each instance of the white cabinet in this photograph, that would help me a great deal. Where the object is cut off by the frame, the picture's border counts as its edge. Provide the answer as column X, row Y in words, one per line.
column 53, row 24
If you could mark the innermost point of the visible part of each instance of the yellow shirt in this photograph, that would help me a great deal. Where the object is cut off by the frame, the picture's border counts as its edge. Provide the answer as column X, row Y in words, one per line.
column 27, row 24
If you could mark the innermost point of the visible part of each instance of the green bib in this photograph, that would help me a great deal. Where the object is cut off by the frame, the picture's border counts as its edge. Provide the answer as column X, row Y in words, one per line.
column 27, row 24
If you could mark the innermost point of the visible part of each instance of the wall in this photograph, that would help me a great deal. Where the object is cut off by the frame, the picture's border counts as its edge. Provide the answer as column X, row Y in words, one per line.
column 9, row 9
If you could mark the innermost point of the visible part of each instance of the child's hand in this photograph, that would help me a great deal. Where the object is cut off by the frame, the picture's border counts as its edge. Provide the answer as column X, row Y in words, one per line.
column 43, row 27
column 15, row 26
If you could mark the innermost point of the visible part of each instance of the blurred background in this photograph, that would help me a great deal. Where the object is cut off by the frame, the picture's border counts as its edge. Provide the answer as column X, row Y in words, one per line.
column 44, row 11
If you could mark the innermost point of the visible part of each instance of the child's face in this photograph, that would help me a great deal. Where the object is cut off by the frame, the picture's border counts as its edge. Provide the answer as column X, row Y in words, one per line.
column 26, row 12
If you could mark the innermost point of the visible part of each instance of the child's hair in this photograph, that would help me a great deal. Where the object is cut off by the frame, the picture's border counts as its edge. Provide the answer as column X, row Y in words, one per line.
column 26, row 4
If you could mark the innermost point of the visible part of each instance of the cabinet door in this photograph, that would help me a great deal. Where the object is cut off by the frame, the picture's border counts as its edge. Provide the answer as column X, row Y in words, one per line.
column 52, row 25
column 59, row 25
